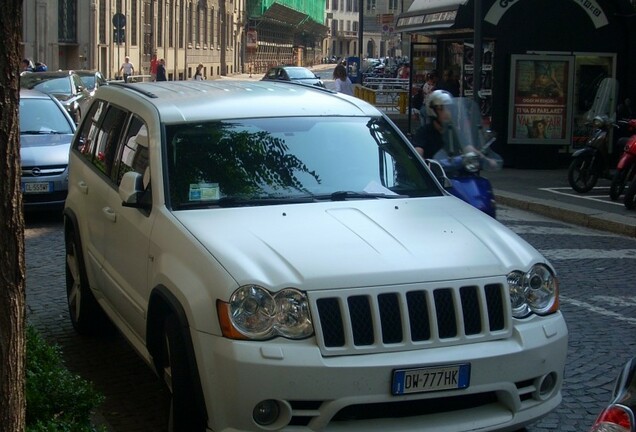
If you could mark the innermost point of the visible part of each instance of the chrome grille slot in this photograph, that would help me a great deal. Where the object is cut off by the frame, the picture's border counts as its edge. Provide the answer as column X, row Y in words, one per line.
column 356, row 321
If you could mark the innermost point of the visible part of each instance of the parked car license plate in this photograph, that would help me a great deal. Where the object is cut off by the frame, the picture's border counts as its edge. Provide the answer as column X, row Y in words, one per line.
column 430, row 379
column 39, row 187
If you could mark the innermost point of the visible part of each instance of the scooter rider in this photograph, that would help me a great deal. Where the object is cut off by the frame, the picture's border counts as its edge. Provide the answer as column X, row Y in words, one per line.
column 429, row 139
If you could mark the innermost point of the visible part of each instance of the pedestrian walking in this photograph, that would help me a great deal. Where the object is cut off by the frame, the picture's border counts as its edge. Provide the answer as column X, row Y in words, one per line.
column 342, row 81
column 153, row 68
column 127, row 68
column 161, row 70
column 198, row 74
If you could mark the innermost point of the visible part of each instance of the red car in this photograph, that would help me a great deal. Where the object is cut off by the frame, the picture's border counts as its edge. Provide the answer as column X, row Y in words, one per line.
column 619, row 415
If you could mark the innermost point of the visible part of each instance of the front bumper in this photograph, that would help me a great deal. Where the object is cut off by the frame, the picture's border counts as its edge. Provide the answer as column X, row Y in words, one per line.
column 513, row 382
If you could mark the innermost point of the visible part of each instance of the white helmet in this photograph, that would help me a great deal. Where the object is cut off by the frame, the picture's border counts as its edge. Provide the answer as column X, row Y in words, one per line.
column 438, row 97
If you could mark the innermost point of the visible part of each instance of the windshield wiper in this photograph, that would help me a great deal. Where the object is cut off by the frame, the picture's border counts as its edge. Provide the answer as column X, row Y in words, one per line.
column 345, row 195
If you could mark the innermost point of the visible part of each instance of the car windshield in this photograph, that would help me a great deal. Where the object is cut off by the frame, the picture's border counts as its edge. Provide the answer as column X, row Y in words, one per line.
column 89, row 81
column 42, row 116
column 279, row 160
column 300, row 73
column 54, row 85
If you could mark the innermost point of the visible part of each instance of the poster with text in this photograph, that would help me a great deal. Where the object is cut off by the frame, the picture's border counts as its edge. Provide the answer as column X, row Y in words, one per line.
column 540, row 99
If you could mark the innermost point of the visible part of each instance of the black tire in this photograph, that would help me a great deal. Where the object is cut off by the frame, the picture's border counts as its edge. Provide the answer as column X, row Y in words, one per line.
column 618, row 184
column 630, row 196
column 583, row 173
column 87, row 316
column 185, row 414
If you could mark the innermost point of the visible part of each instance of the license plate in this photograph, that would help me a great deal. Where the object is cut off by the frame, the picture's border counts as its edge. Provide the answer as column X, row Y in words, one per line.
column 430, row 379
column 42, row 187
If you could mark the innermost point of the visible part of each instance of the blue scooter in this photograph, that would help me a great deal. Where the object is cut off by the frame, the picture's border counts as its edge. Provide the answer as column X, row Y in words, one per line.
column 466, row 152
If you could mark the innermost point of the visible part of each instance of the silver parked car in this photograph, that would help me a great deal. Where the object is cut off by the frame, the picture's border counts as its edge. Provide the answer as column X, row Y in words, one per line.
column 46, row 131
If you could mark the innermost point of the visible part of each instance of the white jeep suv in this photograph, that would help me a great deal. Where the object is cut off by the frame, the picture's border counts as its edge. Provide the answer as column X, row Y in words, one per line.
column 283, row 258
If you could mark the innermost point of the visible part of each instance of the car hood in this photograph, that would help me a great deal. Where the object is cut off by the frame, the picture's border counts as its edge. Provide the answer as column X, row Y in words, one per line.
column 45, row 150
column 358, row 243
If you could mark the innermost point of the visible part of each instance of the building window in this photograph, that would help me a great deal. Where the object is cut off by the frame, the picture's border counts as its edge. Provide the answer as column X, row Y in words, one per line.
column 219, row 26
column 370, row 5
column 212, row 27
column 327, row 4
column 206, row 26
column 349, row 5
column 190, row 13
column 102, row 21
column 393, row 4
column 133, row 22
column 182, row 13
column 171, row 25
column 67, row 21
column 160, row 23
column 334, row 5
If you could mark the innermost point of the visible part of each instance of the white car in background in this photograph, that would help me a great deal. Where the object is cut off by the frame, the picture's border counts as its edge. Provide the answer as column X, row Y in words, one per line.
column 283, row 258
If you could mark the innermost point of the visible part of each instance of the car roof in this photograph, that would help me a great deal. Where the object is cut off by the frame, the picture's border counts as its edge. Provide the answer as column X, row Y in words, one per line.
column 33, row 94
column 51, row 74
column 185, row 101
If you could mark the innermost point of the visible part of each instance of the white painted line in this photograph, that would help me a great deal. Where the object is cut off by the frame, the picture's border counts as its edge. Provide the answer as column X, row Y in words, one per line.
column 598, row 310
column 587, row 197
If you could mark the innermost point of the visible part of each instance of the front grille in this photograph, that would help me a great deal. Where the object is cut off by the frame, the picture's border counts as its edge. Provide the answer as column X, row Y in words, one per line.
column 44, row 171
column 357, row 321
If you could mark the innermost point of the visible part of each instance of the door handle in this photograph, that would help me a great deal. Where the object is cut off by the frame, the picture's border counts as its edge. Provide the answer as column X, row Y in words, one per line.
column 83, row 187
column 110, row 214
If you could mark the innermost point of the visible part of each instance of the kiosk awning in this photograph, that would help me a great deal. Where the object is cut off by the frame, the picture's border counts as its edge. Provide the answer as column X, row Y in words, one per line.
column 429, row 15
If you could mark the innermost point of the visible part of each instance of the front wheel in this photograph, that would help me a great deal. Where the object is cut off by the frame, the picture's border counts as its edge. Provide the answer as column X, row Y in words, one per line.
column 618, row 184
column 630, row 196
column 179, row 377
column 583, row 173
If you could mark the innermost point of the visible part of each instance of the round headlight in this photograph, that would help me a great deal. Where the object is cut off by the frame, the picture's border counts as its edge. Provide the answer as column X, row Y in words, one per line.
column 541, row 289
column 517, row 289
column 533, row 292
column 252, row 310
column 292, row 319
column 471, row 162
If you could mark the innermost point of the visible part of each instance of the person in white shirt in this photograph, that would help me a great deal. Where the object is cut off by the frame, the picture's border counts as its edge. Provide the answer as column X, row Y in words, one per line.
column 127, row 68
column 342, row 81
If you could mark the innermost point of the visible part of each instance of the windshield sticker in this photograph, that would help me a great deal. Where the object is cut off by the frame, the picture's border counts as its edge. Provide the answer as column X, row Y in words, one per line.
column 204, row 191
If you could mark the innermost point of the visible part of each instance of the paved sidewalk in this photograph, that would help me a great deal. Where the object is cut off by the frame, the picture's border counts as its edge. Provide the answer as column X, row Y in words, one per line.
column 547, row 192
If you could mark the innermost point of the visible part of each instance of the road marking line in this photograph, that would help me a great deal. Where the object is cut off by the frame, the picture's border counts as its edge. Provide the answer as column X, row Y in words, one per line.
column 589, row 197
column 597, row 309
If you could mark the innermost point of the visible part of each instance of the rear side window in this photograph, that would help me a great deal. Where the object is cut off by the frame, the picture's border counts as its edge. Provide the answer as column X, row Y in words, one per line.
column 100, row 134
column 86, row 138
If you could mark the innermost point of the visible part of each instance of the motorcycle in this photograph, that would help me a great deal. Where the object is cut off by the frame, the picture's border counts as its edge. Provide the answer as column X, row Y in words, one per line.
column 591, row 162
column 466, row 153
column 626, row 167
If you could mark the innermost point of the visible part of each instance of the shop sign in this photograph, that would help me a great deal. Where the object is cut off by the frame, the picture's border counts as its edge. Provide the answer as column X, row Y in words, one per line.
column 591, row 8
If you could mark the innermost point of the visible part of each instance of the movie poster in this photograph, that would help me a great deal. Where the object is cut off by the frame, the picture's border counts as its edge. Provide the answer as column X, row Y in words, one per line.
column 540, row 95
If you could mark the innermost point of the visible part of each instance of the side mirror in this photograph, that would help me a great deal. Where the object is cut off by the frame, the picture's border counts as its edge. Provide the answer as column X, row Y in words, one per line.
column 130, row 190
column 439, row 173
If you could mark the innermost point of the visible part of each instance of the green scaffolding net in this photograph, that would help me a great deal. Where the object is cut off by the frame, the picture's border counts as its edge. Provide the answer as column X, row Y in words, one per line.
column 313, row 8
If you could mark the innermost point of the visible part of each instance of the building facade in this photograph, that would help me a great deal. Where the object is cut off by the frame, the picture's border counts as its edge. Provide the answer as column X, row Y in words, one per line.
column 380, row 37
column 226, row 36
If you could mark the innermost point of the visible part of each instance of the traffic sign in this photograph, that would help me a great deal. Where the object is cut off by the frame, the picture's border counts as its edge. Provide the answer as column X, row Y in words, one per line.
column 119, row 20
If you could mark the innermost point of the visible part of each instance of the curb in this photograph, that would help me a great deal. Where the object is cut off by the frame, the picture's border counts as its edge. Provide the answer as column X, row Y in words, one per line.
column 570, row 213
